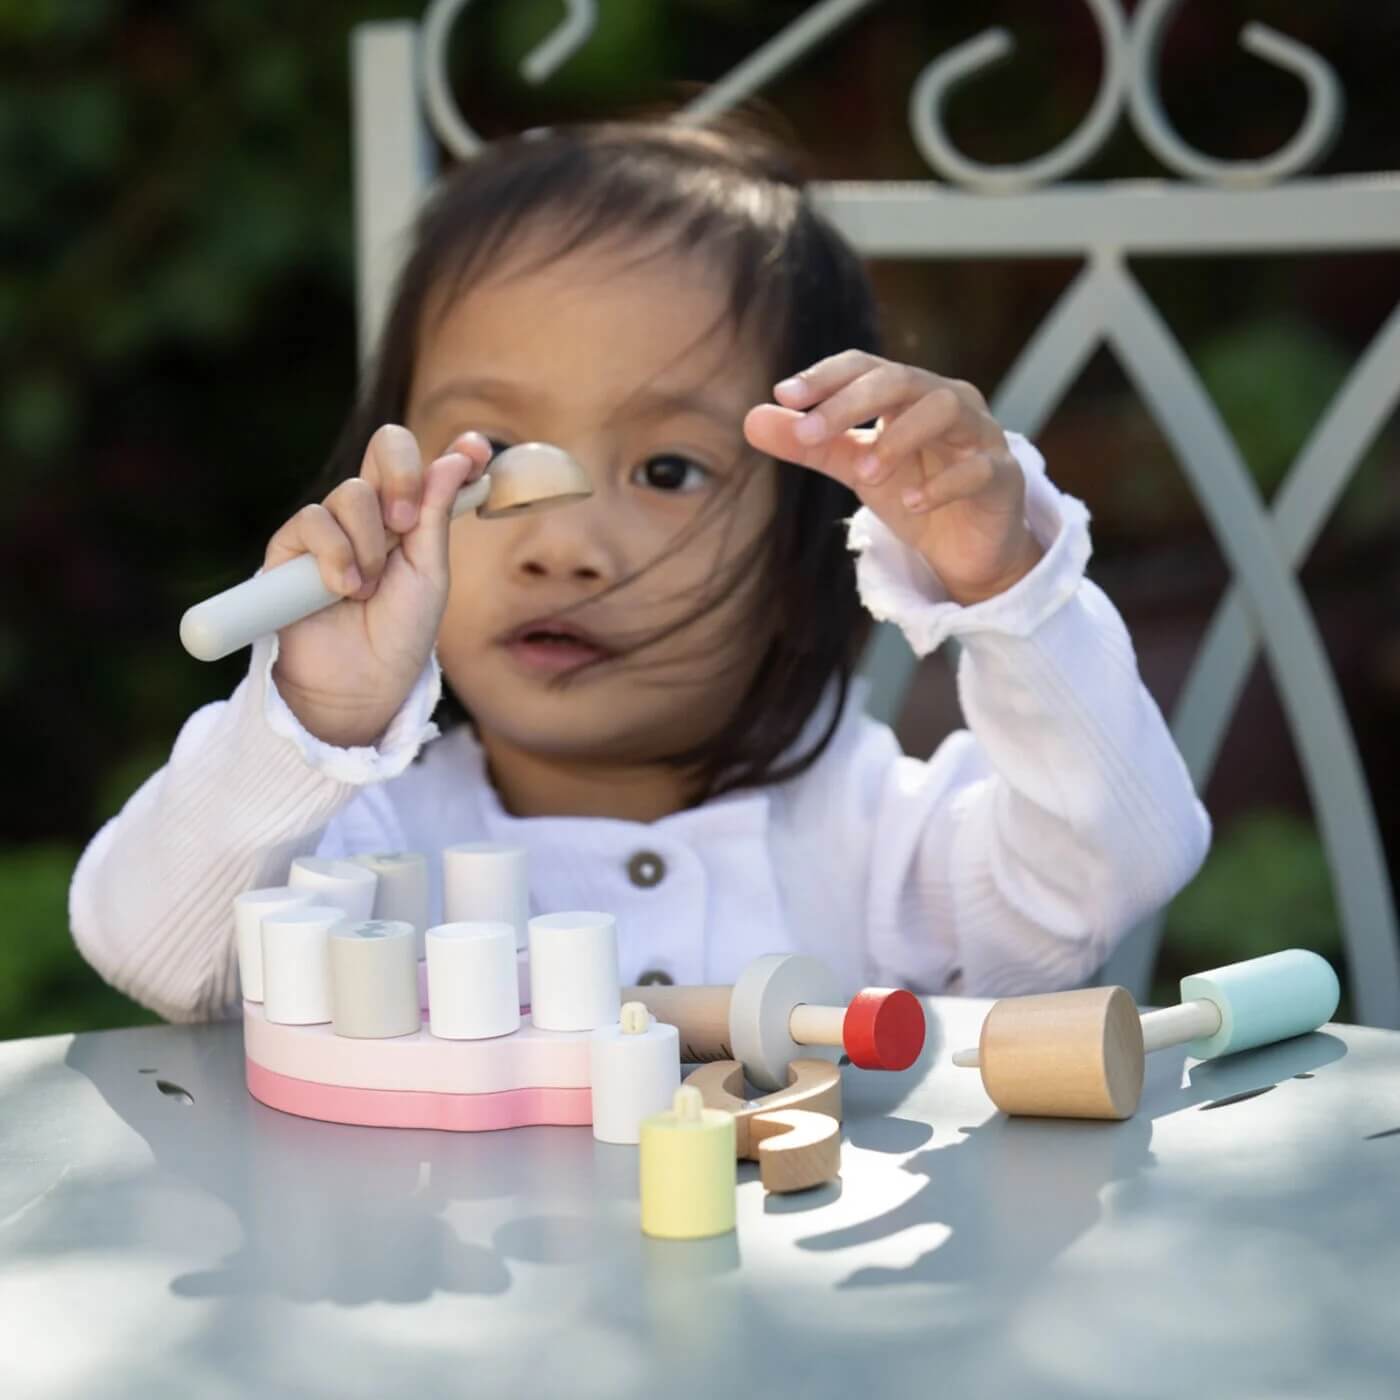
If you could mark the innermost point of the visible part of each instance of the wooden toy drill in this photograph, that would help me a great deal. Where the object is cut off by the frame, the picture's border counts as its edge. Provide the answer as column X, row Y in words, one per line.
column 782, row 1008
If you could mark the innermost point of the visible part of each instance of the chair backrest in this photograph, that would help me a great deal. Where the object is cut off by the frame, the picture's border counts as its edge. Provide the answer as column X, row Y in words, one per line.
column 401, row 98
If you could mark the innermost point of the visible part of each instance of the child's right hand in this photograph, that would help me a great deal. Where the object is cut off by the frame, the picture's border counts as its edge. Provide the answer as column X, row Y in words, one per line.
column 345, row 671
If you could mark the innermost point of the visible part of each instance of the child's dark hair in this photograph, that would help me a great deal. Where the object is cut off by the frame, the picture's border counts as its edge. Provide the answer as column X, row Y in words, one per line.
column 732, row 198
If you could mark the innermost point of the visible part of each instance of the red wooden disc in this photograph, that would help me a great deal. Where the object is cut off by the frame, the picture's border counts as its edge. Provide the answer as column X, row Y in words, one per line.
column 884, row 1028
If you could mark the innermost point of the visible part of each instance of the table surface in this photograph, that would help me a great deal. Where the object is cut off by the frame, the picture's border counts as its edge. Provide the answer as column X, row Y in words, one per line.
column 163, row 1234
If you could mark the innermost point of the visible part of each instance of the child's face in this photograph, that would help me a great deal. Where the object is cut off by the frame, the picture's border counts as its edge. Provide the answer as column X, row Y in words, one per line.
column 633, row 370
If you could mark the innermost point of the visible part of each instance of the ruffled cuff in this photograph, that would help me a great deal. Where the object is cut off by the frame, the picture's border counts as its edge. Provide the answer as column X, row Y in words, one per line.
column 408, row 731
column 896, row 584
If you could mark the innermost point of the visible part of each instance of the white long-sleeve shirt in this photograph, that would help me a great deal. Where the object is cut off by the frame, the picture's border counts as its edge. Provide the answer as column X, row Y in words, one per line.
column 1011, row 861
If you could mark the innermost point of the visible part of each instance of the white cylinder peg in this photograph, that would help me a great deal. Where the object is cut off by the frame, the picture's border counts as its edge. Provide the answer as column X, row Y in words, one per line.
column 249, row 910
column 297, row 964
column 573, row 971
column 402, row 892
column 473, row 985
column 348, row 886
column 374, row 979
column 635, row 1070
column 483, row 882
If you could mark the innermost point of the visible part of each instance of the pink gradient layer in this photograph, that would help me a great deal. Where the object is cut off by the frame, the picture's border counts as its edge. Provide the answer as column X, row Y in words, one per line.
column 409, row 1108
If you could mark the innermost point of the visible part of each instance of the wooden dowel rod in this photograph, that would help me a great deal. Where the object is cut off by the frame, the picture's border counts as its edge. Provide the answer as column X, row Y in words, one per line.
column 817, row 1025
column 700, row 1014
column 1174, row 1025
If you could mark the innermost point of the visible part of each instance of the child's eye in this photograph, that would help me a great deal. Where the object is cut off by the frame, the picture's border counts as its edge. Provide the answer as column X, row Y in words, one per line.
column 670, row 472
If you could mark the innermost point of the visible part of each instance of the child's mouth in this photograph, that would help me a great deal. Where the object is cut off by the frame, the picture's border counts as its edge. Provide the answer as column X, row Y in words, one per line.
column 544, row 651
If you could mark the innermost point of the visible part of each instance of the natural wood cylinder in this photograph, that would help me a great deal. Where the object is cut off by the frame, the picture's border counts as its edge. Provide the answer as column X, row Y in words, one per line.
column 1065, row 1055
column 700, row 1014
column 818, row 1025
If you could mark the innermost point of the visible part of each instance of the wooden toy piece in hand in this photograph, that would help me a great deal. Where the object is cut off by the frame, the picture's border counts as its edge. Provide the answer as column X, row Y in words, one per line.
column 782, row 1008
column 1081, row 1054
column 794, row 1134
column 528, row 476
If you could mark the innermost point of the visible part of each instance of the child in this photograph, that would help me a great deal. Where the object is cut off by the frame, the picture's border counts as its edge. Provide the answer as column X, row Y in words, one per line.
column 650, row 690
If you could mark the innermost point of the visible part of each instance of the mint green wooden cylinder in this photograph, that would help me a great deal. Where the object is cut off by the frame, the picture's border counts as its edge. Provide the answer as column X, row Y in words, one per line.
column 1264, row 1000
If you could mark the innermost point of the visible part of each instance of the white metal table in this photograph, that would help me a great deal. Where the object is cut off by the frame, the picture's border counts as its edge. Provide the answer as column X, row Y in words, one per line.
column 163, row 1234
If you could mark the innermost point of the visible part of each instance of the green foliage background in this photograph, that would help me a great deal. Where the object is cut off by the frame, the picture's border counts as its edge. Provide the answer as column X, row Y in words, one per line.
column 177, row 332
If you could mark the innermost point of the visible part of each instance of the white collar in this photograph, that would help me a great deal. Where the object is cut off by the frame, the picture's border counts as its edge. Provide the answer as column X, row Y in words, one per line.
column 745, row 811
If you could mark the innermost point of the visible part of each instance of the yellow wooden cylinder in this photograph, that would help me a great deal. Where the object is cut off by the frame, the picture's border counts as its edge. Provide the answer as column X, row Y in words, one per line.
column 1064, row 1055
column 688, row 1171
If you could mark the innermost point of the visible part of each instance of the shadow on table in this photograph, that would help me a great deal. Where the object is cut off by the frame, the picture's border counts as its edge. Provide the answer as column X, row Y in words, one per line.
column 872, row 1103
column 1016, row 1192
column 344, row 1214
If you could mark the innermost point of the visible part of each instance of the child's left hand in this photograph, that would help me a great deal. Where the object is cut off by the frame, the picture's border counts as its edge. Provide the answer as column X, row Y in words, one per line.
column 936, row 469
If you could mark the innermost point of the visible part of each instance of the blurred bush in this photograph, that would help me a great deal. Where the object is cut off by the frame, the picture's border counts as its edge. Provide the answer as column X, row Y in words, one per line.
column 45, row 986
column 1265, row 886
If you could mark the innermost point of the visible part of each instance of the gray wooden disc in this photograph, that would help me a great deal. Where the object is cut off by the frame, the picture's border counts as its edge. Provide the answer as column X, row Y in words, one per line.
column 762, row 1004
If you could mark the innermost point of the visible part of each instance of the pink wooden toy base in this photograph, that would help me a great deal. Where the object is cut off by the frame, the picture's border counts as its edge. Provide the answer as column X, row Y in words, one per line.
column 528, row 1059
column 406, row 1108
column 418, row 1081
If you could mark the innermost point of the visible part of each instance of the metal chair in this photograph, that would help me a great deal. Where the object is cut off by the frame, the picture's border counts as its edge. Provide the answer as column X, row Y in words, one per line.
column 401, row 95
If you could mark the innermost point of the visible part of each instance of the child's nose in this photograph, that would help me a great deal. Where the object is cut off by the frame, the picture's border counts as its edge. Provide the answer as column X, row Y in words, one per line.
column 566, row 542
column 545, row 568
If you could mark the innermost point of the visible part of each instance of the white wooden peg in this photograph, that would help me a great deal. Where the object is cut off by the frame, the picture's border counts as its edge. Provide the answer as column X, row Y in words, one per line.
column 401, row 894
column 348, row 886
column 635, row 1070
column 296, row 964
column 374, row 979
column 487, row 882
column 249, row 910
column 473, row 984
column 573, row 971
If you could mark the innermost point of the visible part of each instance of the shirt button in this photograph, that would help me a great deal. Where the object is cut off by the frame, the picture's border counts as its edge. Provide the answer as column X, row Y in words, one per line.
column 654, row 977
column 646, row 869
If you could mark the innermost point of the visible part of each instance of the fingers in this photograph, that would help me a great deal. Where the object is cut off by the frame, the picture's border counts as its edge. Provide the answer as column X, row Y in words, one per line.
column 772, row 430
column 927, row 424
column 944, row 423
column 954, row 483
column 463, row 462
column 821, row 380
column 315, row 530
column 425, row 547
column 876, row 393
column 353, row 531
column 394, row 466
